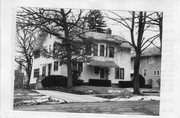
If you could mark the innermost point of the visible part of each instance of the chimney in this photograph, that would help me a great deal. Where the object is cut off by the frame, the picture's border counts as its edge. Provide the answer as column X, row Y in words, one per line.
column 109, row 31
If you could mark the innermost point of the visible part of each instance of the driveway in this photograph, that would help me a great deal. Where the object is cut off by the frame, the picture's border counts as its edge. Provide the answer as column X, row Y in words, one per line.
column 68, row 97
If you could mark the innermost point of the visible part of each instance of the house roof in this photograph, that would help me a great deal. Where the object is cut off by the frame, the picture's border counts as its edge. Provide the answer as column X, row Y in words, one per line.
column 91, row 35
column 151, row 51
column 93, row 62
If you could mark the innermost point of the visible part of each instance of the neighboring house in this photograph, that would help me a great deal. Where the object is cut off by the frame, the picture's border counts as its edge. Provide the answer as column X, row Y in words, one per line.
column 150, row 66
column 110, row 60
column 19, row 77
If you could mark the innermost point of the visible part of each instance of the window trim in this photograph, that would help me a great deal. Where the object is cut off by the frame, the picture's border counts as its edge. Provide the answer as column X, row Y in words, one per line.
column 119, row 73
column 44, row 70
column 35, row 73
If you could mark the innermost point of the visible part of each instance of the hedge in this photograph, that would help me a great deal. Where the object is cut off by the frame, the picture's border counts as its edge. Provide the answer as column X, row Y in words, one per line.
column 98, row 82
column 54, row 80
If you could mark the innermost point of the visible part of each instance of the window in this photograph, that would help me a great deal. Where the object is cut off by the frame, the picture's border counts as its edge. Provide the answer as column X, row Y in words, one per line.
column 49, row 48
column 151, row 60
column 119, row 73
column 106, row 51
column 55, row 65
column 111, row 51
column 95, row 49
column 78, row 66
column 36, row 73
column 158, row 73
column 96, row 70
column 144, row 73
column 44, row 71
column 154, row 73
column 101, row 50
column 36, row 54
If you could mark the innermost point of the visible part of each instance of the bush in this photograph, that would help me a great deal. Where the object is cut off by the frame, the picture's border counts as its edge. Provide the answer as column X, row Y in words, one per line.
column 125, row 84
column 98, row 82
column 54, row 80
column 141, row 81
column 78, row 82
column 76, row 74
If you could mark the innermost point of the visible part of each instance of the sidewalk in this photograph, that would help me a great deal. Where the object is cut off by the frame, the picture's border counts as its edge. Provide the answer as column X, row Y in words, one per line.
column 68, row 97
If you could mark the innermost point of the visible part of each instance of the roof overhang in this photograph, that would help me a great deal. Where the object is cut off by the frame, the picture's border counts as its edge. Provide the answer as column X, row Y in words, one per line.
column 109, row 64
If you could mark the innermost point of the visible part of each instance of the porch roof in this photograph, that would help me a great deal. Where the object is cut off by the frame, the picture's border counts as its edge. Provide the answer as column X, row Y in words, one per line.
column 103, row 63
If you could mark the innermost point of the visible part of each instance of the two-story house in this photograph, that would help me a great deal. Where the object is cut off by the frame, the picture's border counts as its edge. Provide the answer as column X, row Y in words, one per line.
column 150, row 66
column 110, row 59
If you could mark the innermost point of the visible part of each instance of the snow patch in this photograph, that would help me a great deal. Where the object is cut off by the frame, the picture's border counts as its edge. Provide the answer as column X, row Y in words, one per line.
column 137, row 98
column 33, row 94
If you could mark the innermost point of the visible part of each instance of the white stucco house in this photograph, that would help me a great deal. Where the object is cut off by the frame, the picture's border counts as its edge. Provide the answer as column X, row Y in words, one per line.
column 111, row 60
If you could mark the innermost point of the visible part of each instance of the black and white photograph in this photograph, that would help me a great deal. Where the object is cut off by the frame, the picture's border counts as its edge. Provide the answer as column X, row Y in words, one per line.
column 77, row 61
column 88, row 61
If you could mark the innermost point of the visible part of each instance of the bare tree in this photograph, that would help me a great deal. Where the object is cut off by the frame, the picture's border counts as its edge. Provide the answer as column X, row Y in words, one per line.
column 156, row 19
column 65, row 24
column 25, row 39
column 137, row 25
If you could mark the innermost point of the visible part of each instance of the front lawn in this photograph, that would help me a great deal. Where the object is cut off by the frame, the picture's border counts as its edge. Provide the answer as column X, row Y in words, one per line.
column 30, row 97
column 105, row 92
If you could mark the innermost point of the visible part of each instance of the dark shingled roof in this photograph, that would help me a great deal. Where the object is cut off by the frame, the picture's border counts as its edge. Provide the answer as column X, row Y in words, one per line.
column 111, row 64
column 94, row 35
column 151, row 51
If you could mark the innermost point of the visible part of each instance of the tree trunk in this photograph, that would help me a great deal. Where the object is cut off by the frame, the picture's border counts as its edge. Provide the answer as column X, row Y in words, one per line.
column 69, row 68
column 28, row 72
column 136, row 74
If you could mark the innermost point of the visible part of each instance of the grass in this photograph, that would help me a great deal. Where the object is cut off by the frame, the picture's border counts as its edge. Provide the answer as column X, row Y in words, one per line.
column 105, row 92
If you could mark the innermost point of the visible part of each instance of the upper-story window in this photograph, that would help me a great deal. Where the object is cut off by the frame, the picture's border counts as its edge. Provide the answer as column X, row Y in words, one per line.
column 111, row 51
column 95, row 49
column 101, row 50
column 36, row 54
column 151, row 60
column 49, row 48
column 156, row 73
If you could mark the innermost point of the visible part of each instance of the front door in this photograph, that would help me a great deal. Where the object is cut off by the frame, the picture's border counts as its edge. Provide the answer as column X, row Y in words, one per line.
column 49, row 69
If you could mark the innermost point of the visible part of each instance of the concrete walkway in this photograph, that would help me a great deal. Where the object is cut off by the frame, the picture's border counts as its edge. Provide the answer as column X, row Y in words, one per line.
column 68, row 97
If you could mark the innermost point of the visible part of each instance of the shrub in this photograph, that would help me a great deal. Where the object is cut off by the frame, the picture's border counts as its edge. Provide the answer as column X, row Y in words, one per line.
column 141, row 81
column 76, row 74
column 54, row 80
column 98, row 82
column 78, row 82
column 125, row 84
